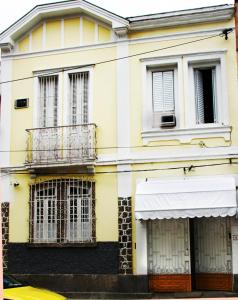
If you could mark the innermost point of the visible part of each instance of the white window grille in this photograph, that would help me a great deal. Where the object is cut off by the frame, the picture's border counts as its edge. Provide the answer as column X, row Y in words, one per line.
column 48, row 100
column 62, row 211
column 163, row 91
column 78, row 98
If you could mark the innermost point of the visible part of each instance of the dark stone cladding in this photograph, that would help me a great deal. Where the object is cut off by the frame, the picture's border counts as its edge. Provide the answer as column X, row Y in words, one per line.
column 97, row 283
column 101, row 259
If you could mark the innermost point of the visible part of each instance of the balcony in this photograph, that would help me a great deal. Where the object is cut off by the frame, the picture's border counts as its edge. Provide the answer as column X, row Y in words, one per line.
column 62, row 145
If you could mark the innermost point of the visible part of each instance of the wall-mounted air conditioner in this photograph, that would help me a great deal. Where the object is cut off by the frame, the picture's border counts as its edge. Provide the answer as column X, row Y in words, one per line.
column 164, row 120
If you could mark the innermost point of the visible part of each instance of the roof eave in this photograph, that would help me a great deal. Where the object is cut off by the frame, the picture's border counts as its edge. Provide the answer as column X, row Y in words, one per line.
column 41, row 12
column 194, row 16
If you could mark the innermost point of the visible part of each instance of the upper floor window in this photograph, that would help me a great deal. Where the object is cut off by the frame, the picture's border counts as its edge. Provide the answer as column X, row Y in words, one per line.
column 62, row 211
column 48, row 101
column 78, row 83
column 185, row 97
column 162, row 96
column 163, row 91
column 205, row 95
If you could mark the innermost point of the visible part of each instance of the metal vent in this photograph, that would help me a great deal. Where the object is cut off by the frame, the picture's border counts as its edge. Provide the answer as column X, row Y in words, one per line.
column 21, row 103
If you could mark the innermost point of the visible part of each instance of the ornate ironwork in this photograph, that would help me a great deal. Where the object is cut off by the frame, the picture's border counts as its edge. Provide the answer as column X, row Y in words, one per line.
column 74, row 143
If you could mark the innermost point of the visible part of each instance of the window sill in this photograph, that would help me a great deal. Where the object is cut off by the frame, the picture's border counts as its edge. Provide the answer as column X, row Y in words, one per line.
column 185, row 135
column 62, row 245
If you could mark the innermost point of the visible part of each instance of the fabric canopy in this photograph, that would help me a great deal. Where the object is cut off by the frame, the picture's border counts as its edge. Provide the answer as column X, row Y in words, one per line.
column 186, row 198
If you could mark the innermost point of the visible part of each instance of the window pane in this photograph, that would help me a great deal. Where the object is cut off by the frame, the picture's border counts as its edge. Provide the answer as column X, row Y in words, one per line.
column 48, row 95
column 61, row 211
column 78, row 98
column 205, row 95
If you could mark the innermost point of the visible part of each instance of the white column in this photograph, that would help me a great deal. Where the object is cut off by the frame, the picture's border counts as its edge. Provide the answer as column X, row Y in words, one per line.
column 141, row 248
column 123, row 119
column 5, row 127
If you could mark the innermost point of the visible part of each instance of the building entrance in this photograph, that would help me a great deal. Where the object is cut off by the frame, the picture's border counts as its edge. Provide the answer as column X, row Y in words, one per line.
column 190, row 254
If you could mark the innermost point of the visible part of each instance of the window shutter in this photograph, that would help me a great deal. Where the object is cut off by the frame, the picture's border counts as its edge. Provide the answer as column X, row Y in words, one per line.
column 163, row 91
column 199, row 97
column 214, row 96
column 168, row 90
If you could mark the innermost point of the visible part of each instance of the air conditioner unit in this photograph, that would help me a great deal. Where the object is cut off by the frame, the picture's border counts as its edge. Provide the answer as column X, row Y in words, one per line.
column 167, row 120
column 164, row 120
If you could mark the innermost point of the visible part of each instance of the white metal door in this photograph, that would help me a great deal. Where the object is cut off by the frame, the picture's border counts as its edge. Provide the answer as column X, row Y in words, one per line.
column 212, row 245
column 168, row 246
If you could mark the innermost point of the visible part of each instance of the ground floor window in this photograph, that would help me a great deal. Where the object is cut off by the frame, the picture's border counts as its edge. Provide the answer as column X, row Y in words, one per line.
column 62, row 211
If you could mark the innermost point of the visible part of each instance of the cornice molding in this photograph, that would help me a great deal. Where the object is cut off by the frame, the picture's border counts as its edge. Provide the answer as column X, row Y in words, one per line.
column 185, row 17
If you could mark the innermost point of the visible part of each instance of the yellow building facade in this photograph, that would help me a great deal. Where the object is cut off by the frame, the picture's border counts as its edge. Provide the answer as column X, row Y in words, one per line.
column 119, row 148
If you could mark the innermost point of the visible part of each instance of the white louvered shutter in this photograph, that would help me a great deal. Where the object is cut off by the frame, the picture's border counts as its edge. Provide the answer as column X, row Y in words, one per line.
column 214, row 89
column 199, row 97
column 78, row 98
column 163, row 91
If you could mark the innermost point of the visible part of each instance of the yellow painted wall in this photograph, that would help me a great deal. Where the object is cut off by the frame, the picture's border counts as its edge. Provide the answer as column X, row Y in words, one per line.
column 88, row 32
column 104, row 34
column 53, row 34
column 136, row 84
column 23, row 45
column 37, row 38
column 69, row 36
column 72, row 32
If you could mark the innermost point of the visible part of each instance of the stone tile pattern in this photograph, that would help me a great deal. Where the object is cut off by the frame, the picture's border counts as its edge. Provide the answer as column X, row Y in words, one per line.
column 125, row 235
column 5, row 232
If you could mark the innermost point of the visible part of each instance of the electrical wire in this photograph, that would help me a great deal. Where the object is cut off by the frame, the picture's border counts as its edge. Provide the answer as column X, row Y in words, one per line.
column 185, row 169
column 201, row 144
column 118, row 58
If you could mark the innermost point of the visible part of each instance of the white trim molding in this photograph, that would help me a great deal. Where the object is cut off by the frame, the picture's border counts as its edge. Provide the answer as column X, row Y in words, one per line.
column 66, row 85
column 5, row 128
column 186, row 135
column 185, row 105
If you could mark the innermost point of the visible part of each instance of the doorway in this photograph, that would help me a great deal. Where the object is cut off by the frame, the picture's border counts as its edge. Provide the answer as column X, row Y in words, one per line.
column 190, row 254
column 211, row 257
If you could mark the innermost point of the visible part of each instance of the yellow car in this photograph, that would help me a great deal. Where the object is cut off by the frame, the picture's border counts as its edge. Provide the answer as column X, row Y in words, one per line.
column 14, row 290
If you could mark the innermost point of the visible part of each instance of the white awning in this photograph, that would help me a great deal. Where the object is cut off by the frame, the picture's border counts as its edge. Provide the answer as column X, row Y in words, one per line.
column 186, row 198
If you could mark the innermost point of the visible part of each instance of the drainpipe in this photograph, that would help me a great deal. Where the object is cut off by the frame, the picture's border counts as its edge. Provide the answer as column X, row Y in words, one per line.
column 1, row 254
column 236, row 23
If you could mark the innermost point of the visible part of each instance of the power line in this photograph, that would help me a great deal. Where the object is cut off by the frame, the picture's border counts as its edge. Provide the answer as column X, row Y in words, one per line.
column 224, row 33
column 201, row 144
column 186, row 169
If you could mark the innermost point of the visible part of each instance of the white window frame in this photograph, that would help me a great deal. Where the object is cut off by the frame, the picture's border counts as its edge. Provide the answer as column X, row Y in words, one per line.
column 36, row 105
column 148, row 69
column 186, row 128
column 66, row 109
column 218, row 62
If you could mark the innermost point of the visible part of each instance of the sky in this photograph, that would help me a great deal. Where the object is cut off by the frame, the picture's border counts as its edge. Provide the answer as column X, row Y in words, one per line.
column 12, row 10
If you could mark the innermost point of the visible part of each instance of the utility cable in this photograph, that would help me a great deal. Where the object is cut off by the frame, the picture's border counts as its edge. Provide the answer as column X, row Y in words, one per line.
column 224, row 33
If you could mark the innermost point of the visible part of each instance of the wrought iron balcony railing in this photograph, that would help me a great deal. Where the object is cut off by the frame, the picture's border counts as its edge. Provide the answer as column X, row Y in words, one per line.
column 62, row 144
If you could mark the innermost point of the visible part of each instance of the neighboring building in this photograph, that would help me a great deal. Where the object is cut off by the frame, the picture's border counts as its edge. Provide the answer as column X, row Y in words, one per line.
column 131, row 129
